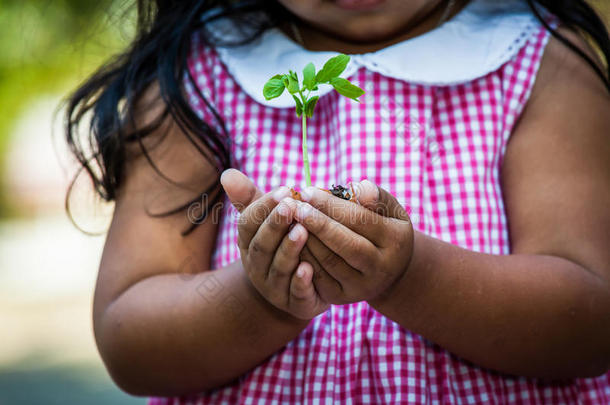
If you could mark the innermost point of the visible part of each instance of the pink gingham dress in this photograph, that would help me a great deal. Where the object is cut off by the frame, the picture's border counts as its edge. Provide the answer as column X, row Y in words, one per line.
column 432, row 129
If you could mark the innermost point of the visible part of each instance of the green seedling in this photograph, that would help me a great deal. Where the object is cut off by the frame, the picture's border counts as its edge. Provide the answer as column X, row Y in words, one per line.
column 302, row 92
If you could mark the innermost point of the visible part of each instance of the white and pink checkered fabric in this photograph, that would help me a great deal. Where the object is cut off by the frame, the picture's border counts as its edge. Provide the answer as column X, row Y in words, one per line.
column 438, row 150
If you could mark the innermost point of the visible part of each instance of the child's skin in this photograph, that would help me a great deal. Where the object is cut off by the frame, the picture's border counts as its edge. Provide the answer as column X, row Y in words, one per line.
column 270, row 256
column 167, row 326
column 325, row 24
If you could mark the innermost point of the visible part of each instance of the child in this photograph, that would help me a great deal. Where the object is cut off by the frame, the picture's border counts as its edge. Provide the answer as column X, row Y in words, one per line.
column 475, row 267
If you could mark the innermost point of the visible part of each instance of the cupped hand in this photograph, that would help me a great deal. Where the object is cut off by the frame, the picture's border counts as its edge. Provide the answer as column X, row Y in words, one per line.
column 270, row 246
column 363, row 248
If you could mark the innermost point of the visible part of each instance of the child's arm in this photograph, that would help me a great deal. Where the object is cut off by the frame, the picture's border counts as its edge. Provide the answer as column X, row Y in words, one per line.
column 165, row 325
column 544, row 310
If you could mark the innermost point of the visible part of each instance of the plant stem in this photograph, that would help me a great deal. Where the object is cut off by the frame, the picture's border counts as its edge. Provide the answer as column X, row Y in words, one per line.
column 305, row 155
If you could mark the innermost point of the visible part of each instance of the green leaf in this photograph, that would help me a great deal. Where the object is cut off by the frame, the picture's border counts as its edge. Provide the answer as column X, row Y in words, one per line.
column 299, row 105
column 309, row 76
column 273, row 88
column 345, row 88
column 332, row 68
column 292, row 84
column 310, row 105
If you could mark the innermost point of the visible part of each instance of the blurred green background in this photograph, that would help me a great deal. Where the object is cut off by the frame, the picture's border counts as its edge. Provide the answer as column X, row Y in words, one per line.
column 47, row 267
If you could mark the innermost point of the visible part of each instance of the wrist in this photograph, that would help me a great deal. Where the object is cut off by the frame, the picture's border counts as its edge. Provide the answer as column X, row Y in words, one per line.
column 393, row 290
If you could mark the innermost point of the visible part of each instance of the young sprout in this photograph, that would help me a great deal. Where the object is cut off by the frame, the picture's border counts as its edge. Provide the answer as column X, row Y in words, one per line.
column 306, row 103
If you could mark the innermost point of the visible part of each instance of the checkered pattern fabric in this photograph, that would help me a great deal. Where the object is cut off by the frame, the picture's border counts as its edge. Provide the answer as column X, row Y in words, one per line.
column 438, row 149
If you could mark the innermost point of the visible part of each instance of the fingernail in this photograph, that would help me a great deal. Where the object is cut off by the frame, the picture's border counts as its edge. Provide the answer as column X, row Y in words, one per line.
column 281, row 193
column 368, row 191
column 295, row 233
column 289, row 202
column 307, row 194
column 283, row 209
column 300, row 272
column 225, row 172
column 303, row 211
column 223, row 176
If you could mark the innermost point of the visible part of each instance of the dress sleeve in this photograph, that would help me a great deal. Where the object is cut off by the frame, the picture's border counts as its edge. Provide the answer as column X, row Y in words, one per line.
column 518, row 77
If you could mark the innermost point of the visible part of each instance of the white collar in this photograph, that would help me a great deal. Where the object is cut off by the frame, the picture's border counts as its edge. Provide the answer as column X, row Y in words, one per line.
column 477, row 41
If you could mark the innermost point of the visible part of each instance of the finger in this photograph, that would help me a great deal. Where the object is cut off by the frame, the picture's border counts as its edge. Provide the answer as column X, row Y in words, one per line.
column 287, row 257
column 379, row 200
column 357, row 218
column 269, row 236
column 333, row 264
column 306, row 256
column 355, row 249
column 254, row 215
column 303, row 299
column 239, row 188
column 325, row 285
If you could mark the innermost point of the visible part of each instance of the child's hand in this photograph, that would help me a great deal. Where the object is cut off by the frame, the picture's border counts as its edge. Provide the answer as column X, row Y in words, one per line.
column 364, row 248
column 270, row 248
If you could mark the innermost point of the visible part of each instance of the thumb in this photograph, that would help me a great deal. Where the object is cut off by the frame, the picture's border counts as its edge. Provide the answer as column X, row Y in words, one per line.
column 239, row 188
column 379, row 200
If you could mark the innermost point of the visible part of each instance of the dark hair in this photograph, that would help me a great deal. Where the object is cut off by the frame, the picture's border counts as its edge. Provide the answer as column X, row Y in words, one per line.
column 159, row 54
